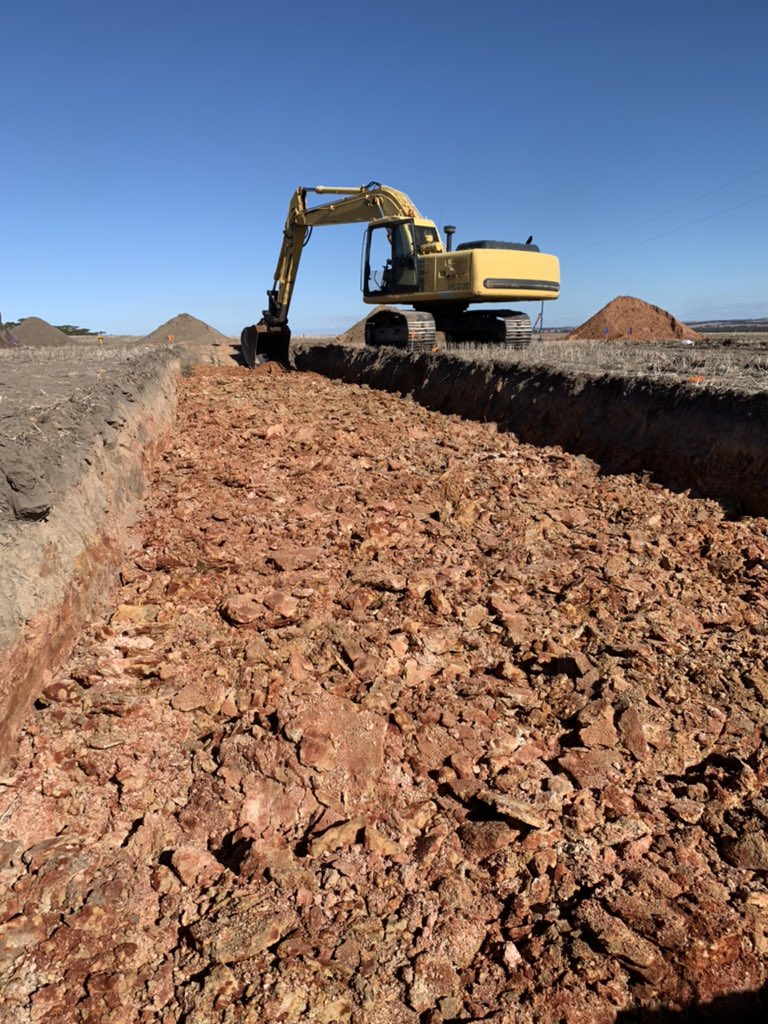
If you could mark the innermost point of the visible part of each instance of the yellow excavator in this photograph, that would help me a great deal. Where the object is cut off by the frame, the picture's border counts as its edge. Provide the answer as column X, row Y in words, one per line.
column 406, row 262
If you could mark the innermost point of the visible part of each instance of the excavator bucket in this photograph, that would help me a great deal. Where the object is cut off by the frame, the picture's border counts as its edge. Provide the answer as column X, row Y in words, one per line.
column 263, row 341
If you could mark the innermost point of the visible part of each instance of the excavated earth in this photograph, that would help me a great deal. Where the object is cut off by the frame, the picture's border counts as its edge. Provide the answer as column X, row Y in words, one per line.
column 628, row 318
column 397, row 719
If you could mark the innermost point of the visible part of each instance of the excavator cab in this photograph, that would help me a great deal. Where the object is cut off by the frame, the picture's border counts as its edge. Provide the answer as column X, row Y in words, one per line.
column 389, row 261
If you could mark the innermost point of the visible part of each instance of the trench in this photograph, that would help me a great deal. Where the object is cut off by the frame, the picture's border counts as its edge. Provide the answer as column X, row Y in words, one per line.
column 388, row 716
column 713, row 445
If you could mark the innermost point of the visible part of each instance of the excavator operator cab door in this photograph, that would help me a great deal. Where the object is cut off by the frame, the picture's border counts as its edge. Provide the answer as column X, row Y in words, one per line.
column 389, row 264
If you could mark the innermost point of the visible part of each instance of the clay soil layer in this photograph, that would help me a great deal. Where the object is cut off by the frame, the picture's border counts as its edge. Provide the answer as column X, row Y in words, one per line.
column 396, row 719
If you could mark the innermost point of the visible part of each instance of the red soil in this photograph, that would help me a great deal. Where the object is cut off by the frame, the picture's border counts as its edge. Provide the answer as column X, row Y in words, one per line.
column 628, row 319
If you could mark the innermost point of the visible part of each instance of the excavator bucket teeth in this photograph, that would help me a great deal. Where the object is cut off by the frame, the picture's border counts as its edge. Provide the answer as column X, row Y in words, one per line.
column 261, row 342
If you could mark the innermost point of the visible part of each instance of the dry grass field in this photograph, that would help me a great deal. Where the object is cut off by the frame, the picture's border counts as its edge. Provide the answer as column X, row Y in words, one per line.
column 725, row 363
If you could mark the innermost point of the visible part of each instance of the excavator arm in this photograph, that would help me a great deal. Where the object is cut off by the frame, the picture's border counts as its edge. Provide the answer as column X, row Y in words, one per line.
column 360, row 204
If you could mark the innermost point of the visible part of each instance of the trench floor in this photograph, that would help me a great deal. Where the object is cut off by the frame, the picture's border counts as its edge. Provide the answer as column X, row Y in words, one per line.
column 396, row 719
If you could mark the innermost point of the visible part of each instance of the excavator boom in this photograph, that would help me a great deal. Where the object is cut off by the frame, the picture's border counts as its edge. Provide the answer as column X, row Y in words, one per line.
column 359, row 204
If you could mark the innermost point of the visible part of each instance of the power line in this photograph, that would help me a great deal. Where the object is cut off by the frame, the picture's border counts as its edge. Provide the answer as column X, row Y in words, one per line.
column 664, row 213
column 682, row 227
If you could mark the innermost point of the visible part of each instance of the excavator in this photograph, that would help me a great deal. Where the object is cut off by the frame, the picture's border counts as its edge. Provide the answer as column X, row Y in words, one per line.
column 405, row 262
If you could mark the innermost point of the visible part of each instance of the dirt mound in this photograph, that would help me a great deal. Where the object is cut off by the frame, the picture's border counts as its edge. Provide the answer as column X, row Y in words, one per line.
column 185, row 328
column 33, row 331
column 628, row 319
column 356, row 333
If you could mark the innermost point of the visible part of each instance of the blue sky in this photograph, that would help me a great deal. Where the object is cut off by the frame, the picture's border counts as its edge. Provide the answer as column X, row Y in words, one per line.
column 150, row 149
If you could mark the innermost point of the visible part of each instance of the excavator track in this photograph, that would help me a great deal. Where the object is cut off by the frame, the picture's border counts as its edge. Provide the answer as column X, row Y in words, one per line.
column 406, row 329
column 517, row 330
column 505, row 328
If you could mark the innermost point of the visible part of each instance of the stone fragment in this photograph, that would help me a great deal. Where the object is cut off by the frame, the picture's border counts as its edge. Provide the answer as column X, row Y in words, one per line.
column 378, row 843
column 633, row 735
column 64, row 690
column 197, row 694
column 618, row 940
column 345, row 834
column 515, row 810
column 439, row 602
column 482, row 839
column 271, row 806
column 623, row 830
column 19, row 933
column 344, row 744
column 134, row 614
column 195, row 866
column 163, row 880
column 241, row 928
column 380, row 577
column 515, row 623
column 687, row 810
column 282, row 604
column 590, row 769
column 601, row 733
column 475, row 616
column 434, row 978
column 290, row 559
column 749, row 852
column 240, row 609
column 512, row 957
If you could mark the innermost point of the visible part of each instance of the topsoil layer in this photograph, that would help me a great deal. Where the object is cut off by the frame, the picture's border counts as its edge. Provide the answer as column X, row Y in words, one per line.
column 53, row 410
column 397, row 719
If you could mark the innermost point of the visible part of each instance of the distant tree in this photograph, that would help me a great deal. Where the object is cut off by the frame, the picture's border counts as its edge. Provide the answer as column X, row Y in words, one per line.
column 71, row 329
column 64, row 328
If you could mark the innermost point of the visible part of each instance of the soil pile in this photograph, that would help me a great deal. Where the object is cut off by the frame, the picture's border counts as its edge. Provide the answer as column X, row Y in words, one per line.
column 34, row 332
column 356, row 333
column 629, row 319
column 397, row 719
column 187, row 329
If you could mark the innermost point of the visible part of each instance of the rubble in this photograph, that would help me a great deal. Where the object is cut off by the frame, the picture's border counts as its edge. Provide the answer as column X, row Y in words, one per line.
column 396, row 720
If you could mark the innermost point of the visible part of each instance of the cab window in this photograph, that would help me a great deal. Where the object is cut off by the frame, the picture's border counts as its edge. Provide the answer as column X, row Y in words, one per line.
column 391, row 259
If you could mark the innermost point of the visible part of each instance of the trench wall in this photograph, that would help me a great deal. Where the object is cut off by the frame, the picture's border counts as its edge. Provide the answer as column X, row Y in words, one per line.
column 714, row 445
column 64, row 568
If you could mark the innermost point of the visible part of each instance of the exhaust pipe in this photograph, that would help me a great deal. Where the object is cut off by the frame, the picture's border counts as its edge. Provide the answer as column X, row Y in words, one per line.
column 449, row 230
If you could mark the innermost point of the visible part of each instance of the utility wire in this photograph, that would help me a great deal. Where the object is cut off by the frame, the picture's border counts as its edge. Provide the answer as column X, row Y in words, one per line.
column 664, row 213
column 682, row 227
